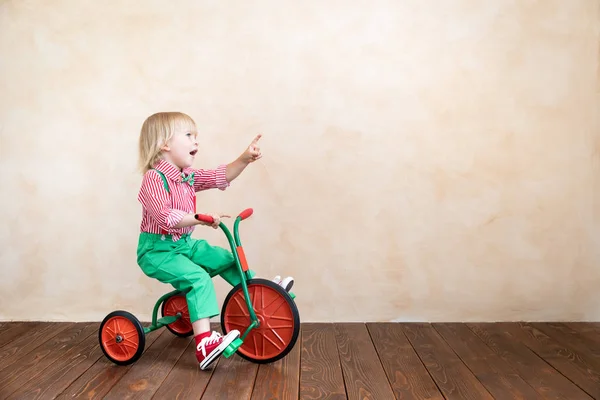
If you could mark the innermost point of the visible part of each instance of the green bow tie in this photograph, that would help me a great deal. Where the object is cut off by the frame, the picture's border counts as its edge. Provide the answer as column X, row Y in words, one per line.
column 189, row 179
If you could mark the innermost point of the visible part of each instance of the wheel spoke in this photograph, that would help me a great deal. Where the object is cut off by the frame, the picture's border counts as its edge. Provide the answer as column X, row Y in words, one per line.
column 114, row 326
column 110, row 343
column 237, row 315
column 279, row 326
column 117, row 348
column 125, row 350
column 264, row 307
column 110, row 329
column 272, row 342
column 129, row 332
column 253, row 297
column 255, row 344
column 129, row 343
column 281, row 318
column 276, row 303
column 237, row 324
column 114, row 346
column 238, row 301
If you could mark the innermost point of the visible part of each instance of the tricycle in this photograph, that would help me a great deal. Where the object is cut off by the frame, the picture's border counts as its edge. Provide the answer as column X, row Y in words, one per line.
column 262, row 311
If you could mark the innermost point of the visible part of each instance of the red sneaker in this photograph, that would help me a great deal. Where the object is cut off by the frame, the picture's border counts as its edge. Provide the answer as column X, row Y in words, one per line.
column 211, row 347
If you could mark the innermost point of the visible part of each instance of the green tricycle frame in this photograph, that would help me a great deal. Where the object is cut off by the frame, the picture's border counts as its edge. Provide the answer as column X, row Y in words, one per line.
column 258, row 308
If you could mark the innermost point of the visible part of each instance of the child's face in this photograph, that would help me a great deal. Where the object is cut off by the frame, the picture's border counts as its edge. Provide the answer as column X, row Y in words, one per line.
column 181, row 149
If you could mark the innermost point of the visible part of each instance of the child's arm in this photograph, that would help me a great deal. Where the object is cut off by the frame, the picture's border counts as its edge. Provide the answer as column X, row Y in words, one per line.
column 222, row 176
column 235, row 168
column 210, row 178
column 187, row 220
column 190, row 219
column 251, row 154
column 156, row 201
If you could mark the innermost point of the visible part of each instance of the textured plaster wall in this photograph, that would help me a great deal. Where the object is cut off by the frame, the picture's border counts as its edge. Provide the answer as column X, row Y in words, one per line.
column 422, row 160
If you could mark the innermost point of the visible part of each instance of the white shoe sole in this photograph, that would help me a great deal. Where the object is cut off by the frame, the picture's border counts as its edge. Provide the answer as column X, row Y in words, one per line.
column 230, row 337
column 287, row 283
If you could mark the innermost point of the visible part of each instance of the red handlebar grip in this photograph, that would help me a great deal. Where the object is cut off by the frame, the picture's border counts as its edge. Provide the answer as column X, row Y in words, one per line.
column 246, row 213
column 205, row 218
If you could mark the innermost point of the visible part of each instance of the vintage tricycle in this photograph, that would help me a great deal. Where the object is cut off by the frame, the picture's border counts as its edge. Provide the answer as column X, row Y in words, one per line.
column 264, row 312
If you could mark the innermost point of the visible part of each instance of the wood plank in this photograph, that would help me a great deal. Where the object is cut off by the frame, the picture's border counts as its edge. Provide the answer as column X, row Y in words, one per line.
column 27, row 343
column 16, row 330
column 510, row 360
column 589, row 331
column 99, row 379
column 571, row 364
column 452, row 376
column 569, row 337
column 405, row 371
column 232, row 378
column 7, row 325
column 142, row 381
column 280, row 379
column 186, row 380
column 59, row 375
column 363, row 373
column 585, row 327
column 34, row 363
column 547, row 381
column 499, row 378
column 320, row 369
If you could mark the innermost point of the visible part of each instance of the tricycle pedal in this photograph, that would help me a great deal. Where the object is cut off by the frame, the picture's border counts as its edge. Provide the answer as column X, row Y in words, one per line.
column 232, row 348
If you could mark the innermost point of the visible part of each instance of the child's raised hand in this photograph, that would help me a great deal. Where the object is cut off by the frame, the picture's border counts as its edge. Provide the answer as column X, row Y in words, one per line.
column 252, row 153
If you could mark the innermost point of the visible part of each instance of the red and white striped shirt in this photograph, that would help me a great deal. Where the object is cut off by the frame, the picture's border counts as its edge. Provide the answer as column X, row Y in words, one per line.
column 161, row 210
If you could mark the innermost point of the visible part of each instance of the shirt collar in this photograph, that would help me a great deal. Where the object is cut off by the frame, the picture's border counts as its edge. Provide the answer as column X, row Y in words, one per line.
column 170, row 170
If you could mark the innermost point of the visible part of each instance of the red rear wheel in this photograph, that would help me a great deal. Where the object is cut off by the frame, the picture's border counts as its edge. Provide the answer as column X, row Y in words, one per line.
column 278, row 316
column 177, row 304
column 121, row 337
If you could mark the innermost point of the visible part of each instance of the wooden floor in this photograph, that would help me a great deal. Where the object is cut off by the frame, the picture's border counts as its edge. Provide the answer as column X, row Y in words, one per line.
column 330, row 361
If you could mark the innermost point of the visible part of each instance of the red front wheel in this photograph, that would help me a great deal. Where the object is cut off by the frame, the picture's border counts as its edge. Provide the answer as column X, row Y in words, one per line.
column 278, row 316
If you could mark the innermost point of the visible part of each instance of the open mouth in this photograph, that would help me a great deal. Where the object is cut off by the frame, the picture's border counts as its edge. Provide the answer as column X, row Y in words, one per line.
column 193, row 152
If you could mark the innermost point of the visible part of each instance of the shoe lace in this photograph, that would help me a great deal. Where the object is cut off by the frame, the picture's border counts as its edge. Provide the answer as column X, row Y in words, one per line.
column 215, row 337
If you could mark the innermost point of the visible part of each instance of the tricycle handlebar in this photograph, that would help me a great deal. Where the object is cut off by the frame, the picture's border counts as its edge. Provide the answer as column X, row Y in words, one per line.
column 204, row 218
column 246, row 213
column 209, row 220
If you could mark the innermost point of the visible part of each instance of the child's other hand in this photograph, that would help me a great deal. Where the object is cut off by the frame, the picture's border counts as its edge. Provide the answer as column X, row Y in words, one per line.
column 217, row 220
column 252, row 153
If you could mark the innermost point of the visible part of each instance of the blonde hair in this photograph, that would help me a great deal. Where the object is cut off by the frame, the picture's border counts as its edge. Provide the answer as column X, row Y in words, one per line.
column 156, row 131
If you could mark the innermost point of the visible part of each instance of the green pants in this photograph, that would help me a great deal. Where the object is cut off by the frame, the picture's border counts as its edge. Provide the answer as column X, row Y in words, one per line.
column 188, row 264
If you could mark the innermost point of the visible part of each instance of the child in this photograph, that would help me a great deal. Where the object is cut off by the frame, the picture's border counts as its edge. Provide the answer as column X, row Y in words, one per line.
column 166, row 251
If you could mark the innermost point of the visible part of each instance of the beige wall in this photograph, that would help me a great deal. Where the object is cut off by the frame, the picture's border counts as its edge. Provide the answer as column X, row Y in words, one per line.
column 462, row 136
